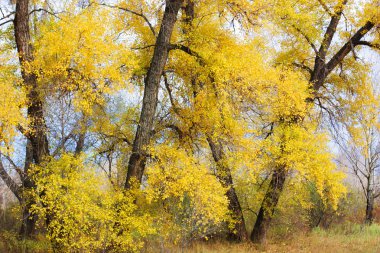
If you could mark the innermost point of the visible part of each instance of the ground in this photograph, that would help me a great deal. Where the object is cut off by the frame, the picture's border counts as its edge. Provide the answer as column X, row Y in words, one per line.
column 340, row 239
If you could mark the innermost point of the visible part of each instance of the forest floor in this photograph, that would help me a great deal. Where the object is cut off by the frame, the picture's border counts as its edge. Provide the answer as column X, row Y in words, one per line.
column 342, row 239
column 356, row 239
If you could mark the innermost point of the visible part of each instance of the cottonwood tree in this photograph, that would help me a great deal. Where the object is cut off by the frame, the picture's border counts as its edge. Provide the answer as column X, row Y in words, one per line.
column 137, row 159
column 46, row 72
column 316, row 28
column 211, row 101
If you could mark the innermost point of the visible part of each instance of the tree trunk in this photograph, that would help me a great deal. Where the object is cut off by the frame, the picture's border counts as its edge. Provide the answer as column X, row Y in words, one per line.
column 136, row 165
column 239, row 232
column 38, row 146
column 268, row 205
column 29, row 221
column 369, row 208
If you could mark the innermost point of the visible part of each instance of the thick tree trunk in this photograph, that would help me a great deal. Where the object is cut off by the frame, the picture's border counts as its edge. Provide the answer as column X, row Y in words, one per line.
column 225, row 178
column 137, row 160
column 268, row 205
column 37, row 146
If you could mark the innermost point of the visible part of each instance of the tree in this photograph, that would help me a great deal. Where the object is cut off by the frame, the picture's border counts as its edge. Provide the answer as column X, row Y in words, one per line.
column 318, row 69
column 49, row 73
column 137, row 160
column 358, row 139
column 38, row 146
column 185, row 111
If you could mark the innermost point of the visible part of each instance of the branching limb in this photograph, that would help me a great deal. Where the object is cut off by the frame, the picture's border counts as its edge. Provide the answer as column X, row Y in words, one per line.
column 369, row 44
column 134, row 13
column 346, row 48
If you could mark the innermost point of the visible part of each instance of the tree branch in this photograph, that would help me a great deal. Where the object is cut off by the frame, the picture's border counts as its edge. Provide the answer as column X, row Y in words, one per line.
column 346, row 48
column 134, row 13
column 18, row 169
column 15, row 188
column 44, row 10
column 302, row 66
column 330, row 31
column 307, row 38
column 325, row 7
column 369, row 44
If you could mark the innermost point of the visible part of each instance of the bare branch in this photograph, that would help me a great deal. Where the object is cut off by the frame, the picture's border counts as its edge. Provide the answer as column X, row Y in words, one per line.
column 134, row 13
column 302, row 66
column 307, row 38
column 6, row 22
column 325, row 7
column 15, row 188
column 44, row 10
column 369, row 44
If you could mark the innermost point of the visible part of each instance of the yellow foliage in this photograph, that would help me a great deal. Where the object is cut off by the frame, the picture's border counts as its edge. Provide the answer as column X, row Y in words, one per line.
column 83, row 212
column 81, row 53
column 12, row 100
column 194, row 202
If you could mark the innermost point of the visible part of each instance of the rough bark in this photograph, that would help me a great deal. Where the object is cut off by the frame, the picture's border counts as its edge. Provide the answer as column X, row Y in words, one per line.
column 136, row 165
column 269, row 205
column 37, row 146
column 369, row 208
column 225, row 178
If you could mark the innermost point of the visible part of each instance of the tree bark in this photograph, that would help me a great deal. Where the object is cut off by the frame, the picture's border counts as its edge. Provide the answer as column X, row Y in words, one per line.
column 268, row 205
column 239, row 232
column 369, row 211
column 369, row 207
column 136, row 165
column 11, row 184
column 38, row 146
column 322, row 68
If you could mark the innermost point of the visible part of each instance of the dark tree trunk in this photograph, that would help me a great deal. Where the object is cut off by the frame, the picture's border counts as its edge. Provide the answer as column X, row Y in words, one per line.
column 136, row 165
column 369, row 208
column 225, row 178
column 29, row 220
column 37, row 146
column 80, row 143
column 268, row 205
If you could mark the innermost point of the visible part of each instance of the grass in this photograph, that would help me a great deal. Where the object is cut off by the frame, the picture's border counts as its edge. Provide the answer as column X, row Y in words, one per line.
column 343, row 238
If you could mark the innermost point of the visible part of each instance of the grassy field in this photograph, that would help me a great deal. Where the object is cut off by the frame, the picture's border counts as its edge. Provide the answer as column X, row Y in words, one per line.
column 353, row 238
column 348, row 238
